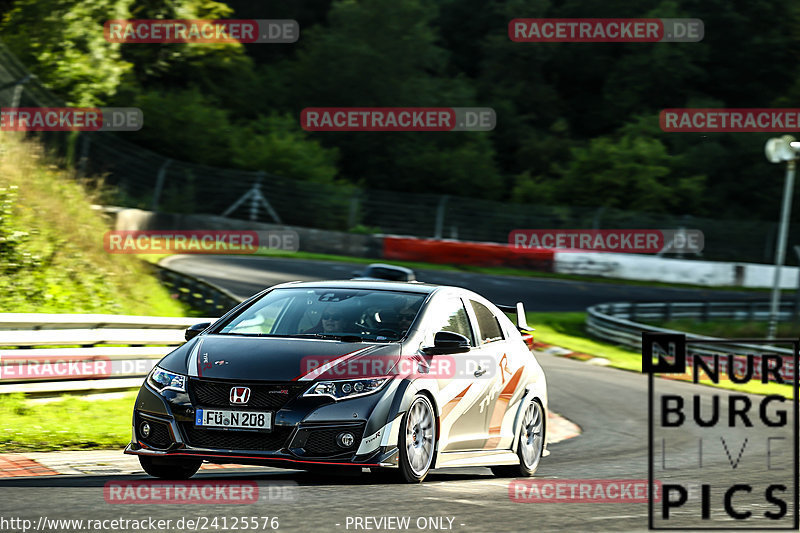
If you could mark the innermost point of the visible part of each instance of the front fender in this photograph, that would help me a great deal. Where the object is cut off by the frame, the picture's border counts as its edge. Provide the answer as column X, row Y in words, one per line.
column 384, row 428
column 533, row 391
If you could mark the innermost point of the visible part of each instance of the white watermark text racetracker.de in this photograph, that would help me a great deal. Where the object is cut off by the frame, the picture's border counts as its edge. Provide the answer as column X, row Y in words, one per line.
column 398, row 119
column 71, row 119
column 631, row 241
column 606, row 30
column 199, row 241
column 731, row 120
column 249, row 31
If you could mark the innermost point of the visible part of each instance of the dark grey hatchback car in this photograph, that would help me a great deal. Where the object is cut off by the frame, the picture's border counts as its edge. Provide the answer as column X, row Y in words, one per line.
column 401, row 377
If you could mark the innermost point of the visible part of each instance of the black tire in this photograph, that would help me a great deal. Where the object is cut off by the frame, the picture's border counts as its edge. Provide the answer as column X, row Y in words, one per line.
column 422, row 416
column 170, row 469
column 533, row 435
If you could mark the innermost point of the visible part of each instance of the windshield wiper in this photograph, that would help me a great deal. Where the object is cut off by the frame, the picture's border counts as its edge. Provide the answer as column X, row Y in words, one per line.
column 253, row 334
column 326, row 336
column 343, row 338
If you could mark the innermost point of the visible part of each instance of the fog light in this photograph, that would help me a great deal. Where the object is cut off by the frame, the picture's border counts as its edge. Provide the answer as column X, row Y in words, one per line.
column 144, row 429
column 345, row 440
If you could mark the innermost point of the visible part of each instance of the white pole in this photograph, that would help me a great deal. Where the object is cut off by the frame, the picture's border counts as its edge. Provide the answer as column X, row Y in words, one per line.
column 780, row 252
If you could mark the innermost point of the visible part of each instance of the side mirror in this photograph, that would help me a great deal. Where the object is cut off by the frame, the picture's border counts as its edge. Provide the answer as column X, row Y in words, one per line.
column 194, row 331
column 447, row 342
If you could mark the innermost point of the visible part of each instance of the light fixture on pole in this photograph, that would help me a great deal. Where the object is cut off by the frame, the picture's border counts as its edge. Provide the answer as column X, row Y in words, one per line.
column 778, row 150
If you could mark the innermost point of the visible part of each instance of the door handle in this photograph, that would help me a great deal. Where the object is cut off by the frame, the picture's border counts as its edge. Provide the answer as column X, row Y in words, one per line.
column 480, row 372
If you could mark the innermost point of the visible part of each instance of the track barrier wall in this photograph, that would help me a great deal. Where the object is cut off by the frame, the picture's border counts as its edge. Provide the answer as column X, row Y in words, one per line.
column 443, row 251
column 466, row 253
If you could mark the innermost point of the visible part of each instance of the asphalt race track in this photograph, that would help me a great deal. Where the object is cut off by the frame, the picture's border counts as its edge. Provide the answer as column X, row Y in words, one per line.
column 246, row 275
column 609, row 405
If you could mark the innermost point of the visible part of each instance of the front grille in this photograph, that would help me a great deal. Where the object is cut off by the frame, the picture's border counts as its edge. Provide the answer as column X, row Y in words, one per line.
column 159, row 436
column 322, row 442
column 231, row 439
column 262, row 395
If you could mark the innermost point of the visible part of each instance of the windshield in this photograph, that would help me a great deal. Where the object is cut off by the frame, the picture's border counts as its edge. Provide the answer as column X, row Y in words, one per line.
column 328, row 313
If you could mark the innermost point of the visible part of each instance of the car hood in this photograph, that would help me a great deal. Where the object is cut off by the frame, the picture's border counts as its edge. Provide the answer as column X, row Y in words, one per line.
column 270, row 358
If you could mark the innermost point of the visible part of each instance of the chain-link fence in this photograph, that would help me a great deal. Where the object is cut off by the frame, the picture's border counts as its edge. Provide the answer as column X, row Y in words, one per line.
column 142, row 178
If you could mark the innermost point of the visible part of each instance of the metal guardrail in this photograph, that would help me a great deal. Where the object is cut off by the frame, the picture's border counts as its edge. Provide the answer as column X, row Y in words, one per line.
column 199, row 294
column 39, row 321
column 90, row 337
column 46, row 353
column 666, row 311
column 617, row 322
column 37, row 352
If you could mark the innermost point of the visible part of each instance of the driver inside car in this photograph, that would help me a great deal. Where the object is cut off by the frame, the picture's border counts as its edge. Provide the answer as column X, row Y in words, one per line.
column 332, row 320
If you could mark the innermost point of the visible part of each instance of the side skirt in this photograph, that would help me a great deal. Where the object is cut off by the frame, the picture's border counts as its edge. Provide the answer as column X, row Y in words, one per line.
column 476, row 458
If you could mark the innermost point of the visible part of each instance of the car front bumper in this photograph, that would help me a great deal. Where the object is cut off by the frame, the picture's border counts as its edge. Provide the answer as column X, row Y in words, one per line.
column 305, row 432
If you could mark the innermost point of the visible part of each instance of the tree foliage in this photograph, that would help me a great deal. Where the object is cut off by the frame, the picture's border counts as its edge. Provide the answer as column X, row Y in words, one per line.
column 577, row 123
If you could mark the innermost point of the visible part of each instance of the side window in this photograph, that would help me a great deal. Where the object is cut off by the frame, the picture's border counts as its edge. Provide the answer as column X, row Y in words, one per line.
column 487, row 323
column 451, row 316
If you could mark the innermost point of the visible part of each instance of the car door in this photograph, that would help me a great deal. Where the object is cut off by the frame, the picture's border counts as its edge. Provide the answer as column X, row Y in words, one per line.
column 506, row 383
column 462, row 422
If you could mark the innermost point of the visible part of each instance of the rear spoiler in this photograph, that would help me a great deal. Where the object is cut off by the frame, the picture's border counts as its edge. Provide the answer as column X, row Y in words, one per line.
column 519, row 309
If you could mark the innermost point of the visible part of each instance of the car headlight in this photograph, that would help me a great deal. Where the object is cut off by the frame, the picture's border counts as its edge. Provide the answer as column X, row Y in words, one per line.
column 350, row 388
column 162, row 380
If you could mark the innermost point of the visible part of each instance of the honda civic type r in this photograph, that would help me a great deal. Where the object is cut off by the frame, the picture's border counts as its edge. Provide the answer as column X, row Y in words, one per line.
column 399, row 377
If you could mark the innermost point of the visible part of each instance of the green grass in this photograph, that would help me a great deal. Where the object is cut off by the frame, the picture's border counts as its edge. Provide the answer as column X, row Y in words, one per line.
column 69, row 423
column 568, row 330
column 53, row 259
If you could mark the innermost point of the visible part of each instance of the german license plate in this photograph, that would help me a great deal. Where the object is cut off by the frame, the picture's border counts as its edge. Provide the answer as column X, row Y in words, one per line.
column 223, row 418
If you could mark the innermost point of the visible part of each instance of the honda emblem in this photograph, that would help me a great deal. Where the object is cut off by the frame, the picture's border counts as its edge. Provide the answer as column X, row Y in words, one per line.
column 240, row 394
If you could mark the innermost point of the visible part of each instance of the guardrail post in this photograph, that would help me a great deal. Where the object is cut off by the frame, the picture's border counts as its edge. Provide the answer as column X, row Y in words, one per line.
column 632, row 312
column 668, row 312
column 706, row 311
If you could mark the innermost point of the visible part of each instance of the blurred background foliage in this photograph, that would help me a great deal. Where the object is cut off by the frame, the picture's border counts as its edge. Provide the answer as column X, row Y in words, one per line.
column 52, row 258
column 577, row 123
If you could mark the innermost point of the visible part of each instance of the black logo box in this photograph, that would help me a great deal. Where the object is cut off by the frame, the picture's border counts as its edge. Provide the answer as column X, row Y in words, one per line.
column 670, row 353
